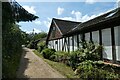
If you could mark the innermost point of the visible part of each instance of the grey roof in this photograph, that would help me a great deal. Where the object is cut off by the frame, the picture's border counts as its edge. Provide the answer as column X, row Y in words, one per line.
column 65, row 25
column 102, row 18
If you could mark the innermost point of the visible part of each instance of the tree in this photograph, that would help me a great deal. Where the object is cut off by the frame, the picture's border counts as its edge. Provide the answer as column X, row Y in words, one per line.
column 12, row 36
column 40, row 35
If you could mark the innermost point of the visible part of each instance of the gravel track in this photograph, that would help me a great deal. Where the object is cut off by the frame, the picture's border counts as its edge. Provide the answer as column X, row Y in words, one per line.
column 32, row 66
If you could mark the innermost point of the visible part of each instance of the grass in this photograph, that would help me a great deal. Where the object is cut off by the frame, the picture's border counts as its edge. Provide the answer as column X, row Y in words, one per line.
column 62, row 68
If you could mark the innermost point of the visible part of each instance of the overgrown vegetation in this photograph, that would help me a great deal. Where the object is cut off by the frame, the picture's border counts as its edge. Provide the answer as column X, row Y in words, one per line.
column 12, row 37
column 41, row 46
column 48, row 52
column 61, row 67
column 89, row 69
column 85, row 61
column 36, row 38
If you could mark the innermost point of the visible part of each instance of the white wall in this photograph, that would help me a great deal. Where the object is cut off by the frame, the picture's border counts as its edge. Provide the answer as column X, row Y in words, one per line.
column 60, row 45
column 66, row 44
column 87, row 36
column 55, row 45
column 50, row 44
column 106, row 41
column 70, row 39
column 80, row 40
column 75, row 42
column 95, row 36
column 63, row 44
column 117, row 42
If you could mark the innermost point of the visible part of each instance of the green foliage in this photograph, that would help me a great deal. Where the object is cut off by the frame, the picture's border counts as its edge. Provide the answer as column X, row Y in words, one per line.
column 60, row 56
column 12, row 37
column 39, row 35
column 11, row 50
column 61, row 67
column 31, row 45
column 90, row 51
column 88, row 69
column 34, row 40
column 10, row 64
column 41, row 46
column 48, row 52
column 75, row 58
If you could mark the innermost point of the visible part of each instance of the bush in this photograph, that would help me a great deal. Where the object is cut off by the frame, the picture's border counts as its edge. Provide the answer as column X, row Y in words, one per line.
column 90, row 51
column 48, row 52
column 75, row 58
column 31, row 45
column 88, row 69
column 60, row 56
column 41, row 46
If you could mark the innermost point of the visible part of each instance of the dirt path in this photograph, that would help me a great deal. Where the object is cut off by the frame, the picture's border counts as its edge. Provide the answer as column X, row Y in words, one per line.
column 31, row 66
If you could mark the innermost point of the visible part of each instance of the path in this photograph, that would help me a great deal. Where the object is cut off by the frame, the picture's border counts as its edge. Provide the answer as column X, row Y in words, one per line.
column 31, row 66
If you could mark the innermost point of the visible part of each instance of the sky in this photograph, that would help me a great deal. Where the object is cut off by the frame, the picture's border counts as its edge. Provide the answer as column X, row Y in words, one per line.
column 73, row 11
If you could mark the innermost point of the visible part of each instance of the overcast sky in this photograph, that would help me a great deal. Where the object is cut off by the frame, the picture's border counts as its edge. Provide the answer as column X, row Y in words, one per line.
column 74, row 11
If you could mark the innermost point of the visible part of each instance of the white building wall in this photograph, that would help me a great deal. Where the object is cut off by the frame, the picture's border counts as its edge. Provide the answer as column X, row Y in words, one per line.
column 50, row 44
column 87, row 36
column 117, row 42
column 80, row 40
column 70, row 39
column 63, row 44
column 106, row 41
column 66, row 44
column 60, row 45
column 55, row 45
column 95, row 36
column 75, row 42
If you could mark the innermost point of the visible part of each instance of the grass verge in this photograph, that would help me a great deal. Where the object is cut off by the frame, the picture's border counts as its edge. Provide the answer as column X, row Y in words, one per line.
column 62, row 68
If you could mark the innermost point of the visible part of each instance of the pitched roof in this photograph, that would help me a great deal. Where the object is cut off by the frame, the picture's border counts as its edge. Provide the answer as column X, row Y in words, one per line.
column 94, row 22
column 65, row 25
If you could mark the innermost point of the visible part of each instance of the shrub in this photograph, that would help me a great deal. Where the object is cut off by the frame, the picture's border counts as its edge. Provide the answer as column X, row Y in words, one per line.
column 75, row 58
column 48, row 52
column 41, row 46
column 31, row 45
column 88, row 69
column 60, row 56
column 91, row 50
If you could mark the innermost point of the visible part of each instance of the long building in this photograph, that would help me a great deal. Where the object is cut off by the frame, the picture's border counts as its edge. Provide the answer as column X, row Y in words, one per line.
column 105, row 29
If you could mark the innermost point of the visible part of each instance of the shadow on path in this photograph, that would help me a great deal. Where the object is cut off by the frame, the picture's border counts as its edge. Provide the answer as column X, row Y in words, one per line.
column 23, row 65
